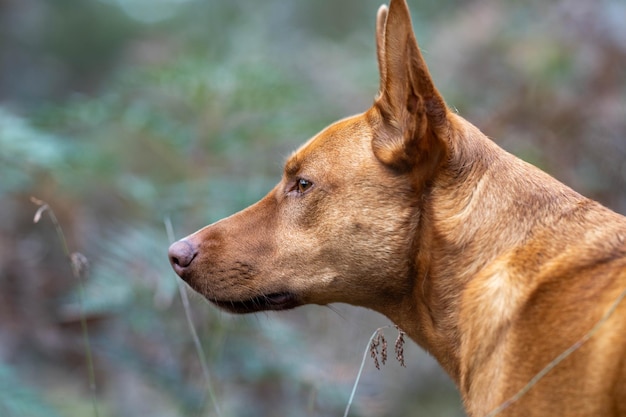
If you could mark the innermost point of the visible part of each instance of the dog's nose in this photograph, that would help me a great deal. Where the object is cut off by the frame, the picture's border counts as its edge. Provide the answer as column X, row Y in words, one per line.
column 181, row 254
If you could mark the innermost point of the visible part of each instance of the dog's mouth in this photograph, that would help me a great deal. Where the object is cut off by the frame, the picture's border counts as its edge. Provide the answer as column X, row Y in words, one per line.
column 274, row 301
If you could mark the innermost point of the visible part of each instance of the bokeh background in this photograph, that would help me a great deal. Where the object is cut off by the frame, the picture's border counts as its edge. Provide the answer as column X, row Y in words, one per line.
column 126, row 114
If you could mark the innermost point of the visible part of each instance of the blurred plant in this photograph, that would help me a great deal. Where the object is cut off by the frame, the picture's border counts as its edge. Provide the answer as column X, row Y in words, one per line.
column 182, row 289
column 378, row 340
column 27, row 153
column 80, row 269
column 18, row 399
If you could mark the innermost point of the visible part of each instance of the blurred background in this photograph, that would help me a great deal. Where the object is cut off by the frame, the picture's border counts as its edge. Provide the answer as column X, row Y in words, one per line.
column 126, row 114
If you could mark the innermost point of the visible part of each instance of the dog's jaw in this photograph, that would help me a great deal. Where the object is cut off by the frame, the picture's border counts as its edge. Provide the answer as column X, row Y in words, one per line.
column 275, row 301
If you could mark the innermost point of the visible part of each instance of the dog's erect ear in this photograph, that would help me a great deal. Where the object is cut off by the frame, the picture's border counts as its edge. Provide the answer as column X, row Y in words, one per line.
column 381, row 20
column 413, row 111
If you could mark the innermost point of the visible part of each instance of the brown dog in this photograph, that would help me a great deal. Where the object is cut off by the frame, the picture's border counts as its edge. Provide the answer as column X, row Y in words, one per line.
column 485, row 261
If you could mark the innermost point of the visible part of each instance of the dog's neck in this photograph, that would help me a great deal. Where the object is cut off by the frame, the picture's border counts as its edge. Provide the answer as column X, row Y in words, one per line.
column 481, row 207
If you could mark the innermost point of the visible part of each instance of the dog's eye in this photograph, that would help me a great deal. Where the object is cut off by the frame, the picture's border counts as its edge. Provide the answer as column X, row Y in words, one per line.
column 303, row 185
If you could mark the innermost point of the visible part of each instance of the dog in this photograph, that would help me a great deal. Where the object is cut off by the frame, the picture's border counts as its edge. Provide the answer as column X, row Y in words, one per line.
column 510, row 279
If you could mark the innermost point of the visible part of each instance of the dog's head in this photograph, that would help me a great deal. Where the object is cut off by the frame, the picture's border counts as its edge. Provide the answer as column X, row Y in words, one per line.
column 341, row 225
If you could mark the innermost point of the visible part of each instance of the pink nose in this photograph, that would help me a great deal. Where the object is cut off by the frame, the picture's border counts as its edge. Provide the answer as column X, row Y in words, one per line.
column 181, row 254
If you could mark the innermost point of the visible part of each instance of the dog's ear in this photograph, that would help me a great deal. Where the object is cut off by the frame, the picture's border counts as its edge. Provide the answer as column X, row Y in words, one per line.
column 381, row 20
column 414, row 113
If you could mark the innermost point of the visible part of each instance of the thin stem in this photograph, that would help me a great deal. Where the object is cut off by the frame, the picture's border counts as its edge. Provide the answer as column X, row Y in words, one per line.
column 192, row 328
column 558, row 359
column 89, row 358
column 358, row 376
column 79, row 265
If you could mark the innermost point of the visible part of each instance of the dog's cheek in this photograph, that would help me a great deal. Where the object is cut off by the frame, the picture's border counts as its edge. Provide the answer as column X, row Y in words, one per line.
column 344, row 245
column 371, row 241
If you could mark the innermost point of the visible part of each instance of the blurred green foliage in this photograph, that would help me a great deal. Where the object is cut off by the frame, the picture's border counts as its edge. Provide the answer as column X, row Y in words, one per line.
column 20, row 399
column 122, row 113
